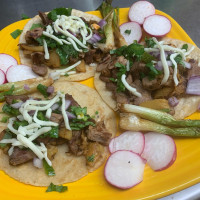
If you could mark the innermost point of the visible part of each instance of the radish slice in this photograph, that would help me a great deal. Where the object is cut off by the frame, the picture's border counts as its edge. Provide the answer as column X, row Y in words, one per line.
column 2, row 77
column 157, row 25
column 131, row 31
column 20, row 73
column 140, row 10
column 6, row 61
column 129, row 140
column 124, row 169
column 159, row 151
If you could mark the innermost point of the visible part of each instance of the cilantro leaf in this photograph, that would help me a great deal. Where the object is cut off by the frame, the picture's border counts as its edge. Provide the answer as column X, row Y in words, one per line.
column 59, row 11
column 128, row 32
column 149, row 42
column 179, row 60
column 23, row 16
column 41, row 116
column 48, row 169
column 43, row 90
column 4, row 119
column 36, row 26
column 146, row 57
column 185, row 46
column 122, row 70
column 53, row 133
column 56, row 188
column 17, row 124
column 16, row 33
column 153, row 71
column 91, row 158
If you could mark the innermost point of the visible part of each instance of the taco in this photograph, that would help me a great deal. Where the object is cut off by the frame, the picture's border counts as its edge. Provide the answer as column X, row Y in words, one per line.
column 135, row 75
column 69, row 132
column 61, row 38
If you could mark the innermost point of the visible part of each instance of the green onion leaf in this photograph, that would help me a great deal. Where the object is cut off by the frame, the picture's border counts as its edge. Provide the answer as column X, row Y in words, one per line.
column 16, row 33
column 48, row 169
column 10, row 111
column 43, row 90
column 59, row 11
column 56, row 188
column 36, row 26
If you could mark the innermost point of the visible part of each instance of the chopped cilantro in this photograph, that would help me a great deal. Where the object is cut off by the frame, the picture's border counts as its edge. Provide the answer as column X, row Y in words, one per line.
column 185, row 46
column 4, row 119
column 149, row 42
column 153, row 71
column 146, row 57
column 56, row 188
column 59, row 11
column 36, row 26
column 8, row 135
column 53, row 133
column 128, row 32
column 122, row 70
column 16, row 33
column 10, row 111
column 43, row 90
column 17, row 124
column 41, row 116
column 66, row 74
column 96, row 113
column 23, row 16
column 167, row 110
column 179, row 60
column 48, row 169
column 91, row 158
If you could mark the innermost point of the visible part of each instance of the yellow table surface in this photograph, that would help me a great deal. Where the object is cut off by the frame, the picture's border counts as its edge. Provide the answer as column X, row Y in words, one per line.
column 182, row 174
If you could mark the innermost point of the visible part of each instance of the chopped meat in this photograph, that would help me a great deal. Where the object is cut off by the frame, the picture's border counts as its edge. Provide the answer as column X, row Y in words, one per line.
column 51, row 151
column 73, row 102
column 57, row 141
column 64, row 133
column 10, row 99
column 89, row 56
column 94, row 153
column 194, row 70
column 129, row 79
column 41, row 70
column 121, row 60
column 32, row 35
column 73, row 60
column 105, row 63
column 137, row 69
column 151, row 84
column 121, row 98
column 99, row 134
column 111, row 86
column 45, row 20
column 146, row 95
column 2, row 134
column 75, row 143
column 20, row 156
column 37, row 58
column 104, row 78
column 57, row 118
column 98, row 55
column 106, row 72
column 180, row 88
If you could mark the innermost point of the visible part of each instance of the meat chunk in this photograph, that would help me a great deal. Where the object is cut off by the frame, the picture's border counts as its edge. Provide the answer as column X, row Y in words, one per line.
column 52, row 141
column 41, row 70
column 57, row 118
column 137, row 69
column 180, row 88
column 151, row 84
column 20, row 156
column 99, row 134
column 37, row 58
column 121, row 98
column 121, row 60
column 104, row 78
column 111, row 86
column 45, row 20
column 89, row 56
column 70, row 98
column 194, row 70
column 32, row 35
column 10, row 99
column 2, row 134
column 75, row 143
column 107, row 60
column 64, row 133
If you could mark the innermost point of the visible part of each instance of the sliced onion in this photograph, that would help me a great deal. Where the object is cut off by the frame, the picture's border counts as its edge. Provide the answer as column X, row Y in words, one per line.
column 173, row 101
column 193, row 85
column 70, row 115
column 156, row 54
column 50, row 89
column 55, row 106
column 37, row 163
column 94, row 39
column 102, row 23
column 187, row 65
column 67, row 104
column 26, row 87
column 159, row 65
column 17, row 105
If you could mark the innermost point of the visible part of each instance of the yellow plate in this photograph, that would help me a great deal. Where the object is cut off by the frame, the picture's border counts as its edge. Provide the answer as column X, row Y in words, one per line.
column 183, row 173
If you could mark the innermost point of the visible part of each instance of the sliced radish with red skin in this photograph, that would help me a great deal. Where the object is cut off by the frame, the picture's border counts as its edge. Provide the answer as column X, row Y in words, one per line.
column 159, row 151
column 157, row 25
column 6, row 61
column 140, row 10
column 129, row 140
column 19, row 73
column 124, row 169
column 135, row 32
column 2, row 77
